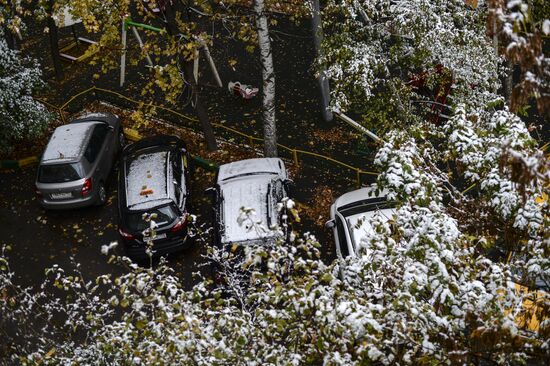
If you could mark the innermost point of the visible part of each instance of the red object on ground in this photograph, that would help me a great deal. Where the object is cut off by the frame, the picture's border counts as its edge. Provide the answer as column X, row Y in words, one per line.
column 242, row 90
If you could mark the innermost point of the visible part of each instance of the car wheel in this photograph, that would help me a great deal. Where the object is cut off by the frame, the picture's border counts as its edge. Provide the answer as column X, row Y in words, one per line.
column 101, row 194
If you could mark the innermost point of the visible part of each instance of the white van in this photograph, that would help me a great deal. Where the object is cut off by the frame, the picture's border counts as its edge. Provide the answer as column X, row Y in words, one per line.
column 257, row 184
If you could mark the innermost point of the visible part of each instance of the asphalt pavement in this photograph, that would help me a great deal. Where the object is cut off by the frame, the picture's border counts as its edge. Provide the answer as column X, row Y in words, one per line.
column 39, row 239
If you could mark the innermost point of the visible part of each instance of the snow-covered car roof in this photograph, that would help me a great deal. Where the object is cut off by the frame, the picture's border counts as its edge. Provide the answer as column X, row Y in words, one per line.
column 147, row 181
column 252, row 183
column 251, row 166
column 68, row 142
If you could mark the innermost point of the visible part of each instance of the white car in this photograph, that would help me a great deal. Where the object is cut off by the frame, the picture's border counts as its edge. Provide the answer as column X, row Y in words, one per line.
column 257, row 184
column 350, row 218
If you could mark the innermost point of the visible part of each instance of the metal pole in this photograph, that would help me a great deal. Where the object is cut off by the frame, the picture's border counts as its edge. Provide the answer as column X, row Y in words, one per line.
column 196, row 67
column 357, row 126
column 317, row 29
column 211, row 62
column 123, row 56
column 295, row 156
column 136, row 34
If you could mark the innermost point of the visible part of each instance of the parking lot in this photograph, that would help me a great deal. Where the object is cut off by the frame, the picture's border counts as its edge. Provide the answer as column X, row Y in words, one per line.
column 40, row 239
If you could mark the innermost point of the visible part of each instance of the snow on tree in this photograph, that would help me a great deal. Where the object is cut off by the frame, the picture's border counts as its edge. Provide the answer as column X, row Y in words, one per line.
column 443, row 234
column 521, row 27
column 479, row 175
column 420, row 291
column 20, row 115
column 375, row 49
column 424, row 288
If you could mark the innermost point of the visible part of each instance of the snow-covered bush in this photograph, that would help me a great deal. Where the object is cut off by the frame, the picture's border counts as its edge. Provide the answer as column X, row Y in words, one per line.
column 373, row 50
column 521, row 28
column 422, row 293
column 482, row 189
column 466, row 187
column 20, row 115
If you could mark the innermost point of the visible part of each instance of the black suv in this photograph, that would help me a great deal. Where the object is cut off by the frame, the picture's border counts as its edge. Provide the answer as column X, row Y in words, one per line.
column 153, row 180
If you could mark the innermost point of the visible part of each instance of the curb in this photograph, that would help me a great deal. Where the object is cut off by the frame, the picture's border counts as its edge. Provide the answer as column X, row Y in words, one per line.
column 14, row 164
column 131, row 134
column 205, row 164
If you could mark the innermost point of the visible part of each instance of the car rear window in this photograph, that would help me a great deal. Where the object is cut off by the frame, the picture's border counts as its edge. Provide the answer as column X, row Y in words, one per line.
column 59, row 173
column 165, row 215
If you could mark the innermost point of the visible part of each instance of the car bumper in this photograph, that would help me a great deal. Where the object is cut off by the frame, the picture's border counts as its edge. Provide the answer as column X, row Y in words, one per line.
column 67, row 204
column 160, row 248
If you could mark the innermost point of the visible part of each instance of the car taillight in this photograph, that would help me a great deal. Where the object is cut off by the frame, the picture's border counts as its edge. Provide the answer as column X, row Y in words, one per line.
column 125, row 235
column 180, row 224
column 87, row 186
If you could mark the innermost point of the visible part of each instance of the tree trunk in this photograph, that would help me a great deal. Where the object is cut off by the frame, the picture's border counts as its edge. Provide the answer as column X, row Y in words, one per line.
column 11, row 39
column 268, row 77
column 317, row 29
column 54, row 47
column 202, row 114
column 508, row 82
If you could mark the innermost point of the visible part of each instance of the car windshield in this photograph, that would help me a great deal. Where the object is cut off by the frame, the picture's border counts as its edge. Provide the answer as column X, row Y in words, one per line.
column 165, row 215
column 248, row 174
column 359, row 214
column 59, row 173
column 363, row 206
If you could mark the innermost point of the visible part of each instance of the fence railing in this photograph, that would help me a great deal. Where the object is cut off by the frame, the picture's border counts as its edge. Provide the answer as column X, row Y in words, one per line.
column 297, row 155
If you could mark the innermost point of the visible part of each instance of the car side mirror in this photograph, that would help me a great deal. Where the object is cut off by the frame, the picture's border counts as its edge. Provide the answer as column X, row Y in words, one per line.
column 330, row 224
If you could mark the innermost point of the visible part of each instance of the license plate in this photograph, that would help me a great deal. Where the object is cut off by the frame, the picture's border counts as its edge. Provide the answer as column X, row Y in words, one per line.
column 157, row 237
column 59, row 196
